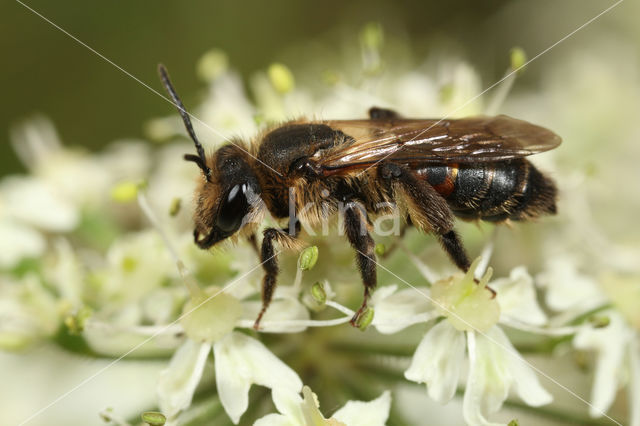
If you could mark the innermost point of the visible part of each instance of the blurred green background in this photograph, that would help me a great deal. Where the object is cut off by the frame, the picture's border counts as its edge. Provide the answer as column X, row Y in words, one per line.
column 92, row 102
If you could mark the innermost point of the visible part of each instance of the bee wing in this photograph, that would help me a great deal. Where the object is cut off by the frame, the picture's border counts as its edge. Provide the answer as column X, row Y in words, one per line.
column 477, row 139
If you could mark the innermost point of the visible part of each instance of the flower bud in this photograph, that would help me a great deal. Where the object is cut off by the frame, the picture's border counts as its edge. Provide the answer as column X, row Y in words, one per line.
column 153, row 418
column 365, row 318
column 175, row 206
column 212, row 64
column 308, row 258
column 124, row 192
column 281, row 77
column 518, row 58
column 318, row 293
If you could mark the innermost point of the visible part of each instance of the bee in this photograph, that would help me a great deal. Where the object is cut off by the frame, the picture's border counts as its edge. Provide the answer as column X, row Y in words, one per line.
column 471, row 168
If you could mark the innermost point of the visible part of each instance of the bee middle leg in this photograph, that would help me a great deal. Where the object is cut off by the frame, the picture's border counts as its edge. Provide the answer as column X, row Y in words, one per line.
column 355, row 227
column 428, row 211
column 269, row 259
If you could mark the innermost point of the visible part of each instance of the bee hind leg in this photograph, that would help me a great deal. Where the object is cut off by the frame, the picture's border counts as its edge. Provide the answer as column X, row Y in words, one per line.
column 428, row 211
column 355, row 227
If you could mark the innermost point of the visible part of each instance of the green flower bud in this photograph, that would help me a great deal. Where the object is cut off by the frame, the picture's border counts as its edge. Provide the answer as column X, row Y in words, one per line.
column 212, row 64
column 380, row 249
column 318, row 293
column 365, row 319
column 174, row 209
column 308, row 258
column 281, row 77
column 153, row 418
column 124, row 192
column 372, row 35
column 518, row 58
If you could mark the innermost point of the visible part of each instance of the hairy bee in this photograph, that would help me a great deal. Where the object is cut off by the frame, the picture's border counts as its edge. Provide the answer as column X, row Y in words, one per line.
column 472, row 168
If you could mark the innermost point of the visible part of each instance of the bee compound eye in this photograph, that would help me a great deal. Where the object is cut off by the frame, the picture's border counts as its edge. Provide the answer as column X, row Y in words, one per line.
column 233, row 209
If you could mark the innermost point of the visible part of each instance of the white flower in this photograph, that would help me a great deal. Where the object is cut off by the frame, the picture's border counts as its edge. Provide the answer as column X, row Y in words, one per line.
column 29, row 207
column 611, row 345
column 615, row 344
column 304, row 411
column 209, row 319
column 136, row 264
column 568, row 290
column 28, row 312
column 472, row 313
column 240, row 360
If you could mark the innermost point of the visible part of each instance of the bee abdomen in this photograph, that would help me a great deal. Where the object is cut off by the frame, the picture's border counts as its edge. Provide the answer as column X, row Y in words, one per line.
column 493, row 191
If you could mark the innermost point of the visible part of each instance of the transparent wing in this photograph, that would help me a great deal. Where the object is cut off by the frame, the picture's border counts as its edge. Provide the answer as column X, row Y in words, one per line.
column 477, row 139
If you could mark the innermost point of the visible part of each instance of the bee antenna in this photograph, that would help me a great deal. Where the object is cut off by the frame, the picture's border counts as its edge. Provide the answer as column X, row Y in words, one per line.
column 200, row 159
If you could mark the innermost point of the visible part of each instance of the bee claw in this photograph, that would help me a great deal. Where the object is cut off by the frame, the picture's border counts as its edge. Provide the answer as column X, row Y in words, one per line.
column 256, row 324
column 492, row 291
column 355, row 319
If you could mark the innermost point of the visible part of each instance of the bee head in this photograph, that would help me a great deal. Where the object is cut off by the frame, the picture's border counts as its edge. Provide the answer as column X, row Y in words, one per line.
column 228, row 198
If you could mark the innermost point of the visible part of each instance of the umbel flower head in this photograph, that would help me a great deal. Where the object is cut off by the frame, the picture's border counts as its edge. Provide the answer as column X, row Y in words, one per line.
column 87, row 270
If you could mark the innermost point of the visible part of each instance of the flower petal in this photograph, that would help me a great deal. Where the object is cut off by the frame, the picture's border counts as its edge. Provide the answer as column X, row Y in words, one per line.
column 495, row 367
column 275, row 319
column 288, row 403
column 395, row 311
column 241, row 361
column 517, row 297
column 567, row 288
column 526, row 382
column 437, row 361
column 37, row 203
column 476, row 386
column 178, row 381
column 492, row 374
column 274, row 419
column 18, row 241
column 609, row 344
column 370, row 413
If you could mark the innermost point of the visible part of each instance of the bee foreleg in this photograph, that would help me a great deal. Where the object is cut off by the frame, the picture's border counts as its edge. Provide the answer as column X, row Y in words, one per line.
column 269, row 260
column 428, row 211
column 355, row 227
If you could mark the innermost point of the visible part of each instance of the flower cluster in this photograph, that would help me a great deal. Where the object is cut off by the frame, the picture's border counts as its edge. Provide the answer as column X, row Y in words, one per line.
column 97, row 260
